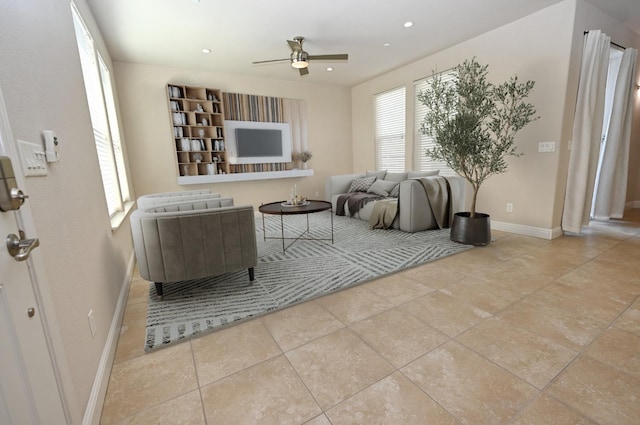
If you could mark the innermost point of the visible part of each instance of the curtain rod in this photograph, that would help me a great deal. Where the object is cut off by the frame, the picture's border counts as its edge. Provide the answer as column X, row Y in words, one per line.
column 611, row 42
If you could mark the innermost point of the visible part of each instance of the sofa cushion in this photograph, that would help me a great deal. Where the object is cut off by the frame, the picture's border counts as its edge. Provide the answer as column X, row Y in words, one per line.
column 416, row 174
column 382, row 187
column 379, row 174
column 361, row 185
column 396, row 177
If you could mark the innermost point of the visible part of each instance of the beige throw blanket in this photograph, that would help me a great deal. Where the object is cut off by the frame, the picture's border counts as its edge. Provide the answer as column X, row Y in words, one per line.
column 444, row 197
column 383, row 214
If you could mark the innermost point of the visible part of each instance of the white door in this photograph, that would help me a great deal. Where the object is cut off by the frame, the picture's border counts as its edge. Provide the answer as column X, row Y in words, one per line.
column 29, row 393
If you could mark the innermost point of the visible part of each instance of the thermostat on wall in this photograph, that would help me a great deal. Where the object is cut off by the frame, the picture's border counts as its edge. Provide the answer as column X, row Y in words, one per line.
column 51, row 146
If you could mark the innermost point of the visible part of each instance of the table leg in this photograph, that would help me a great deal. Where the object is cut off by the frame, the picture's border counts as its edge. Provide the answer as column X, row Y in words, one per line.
column 264, row 229
column 282, row 231
column 331, row 212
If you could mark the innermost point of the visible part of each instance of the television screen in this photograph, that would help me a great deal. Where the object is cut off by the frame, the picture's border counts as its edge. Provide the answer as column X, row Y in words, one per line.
column 258, row 142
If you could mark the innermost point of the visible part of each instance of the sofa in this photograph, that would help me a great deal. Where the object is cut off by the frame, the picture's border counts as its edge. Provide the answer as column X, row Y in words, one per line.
column 192, row 240
column 414, row 210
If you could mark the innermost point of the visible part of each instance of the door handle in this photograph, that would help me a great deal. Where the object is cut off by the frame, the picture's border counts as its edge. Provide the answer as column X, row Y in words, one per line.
column 19, row 247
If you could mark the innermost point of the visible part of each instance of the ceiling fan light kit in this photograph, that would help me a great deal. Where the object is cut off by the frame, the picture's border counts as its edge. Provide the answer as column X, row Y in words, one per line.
column 300, row 59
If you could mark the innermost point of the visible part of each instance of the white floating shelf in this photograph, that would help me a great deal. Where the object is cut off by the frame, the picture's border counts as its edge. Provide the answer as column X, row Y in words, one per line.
column 237, row 177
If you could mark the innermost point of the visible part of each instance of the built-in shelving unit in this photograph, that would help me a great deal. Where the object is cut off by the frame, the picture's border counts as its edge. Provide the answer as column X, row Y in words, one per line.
column 198, row 130
column 197, row 117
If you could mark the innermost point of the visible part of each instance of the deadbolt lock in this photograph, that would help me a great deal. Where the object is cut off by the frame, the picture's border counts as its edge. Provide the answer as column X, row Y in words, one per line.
column 11, row 198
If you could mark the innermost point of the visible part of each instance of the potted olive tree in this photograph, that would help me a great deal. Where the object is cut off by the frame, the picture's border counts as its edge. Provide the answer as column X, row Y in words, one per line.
column 473, row 124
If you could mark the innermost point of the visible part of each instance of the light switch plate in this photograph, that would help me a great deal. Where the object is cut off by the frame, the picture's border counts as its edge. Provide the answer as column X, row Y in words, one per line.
column 34, row 162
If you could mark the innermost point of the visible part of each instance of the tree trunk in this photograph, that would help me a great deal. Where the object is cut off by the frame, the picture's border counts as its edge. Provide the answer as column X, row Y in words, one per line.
column 472, row 212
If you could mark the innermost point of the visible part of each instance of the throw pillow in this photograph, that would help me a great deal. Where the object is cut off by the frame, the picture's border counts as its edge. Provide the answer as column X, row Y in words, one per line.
column 361, row 185
column 416, row 174
column 382, row 187
column 379, row 174
column 395, row 192
column 396, row 177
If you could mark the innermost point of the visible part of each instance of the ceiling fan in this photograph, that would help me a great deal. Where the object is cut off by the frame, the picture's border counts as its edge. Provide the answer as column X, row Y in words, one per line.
column 300, row 59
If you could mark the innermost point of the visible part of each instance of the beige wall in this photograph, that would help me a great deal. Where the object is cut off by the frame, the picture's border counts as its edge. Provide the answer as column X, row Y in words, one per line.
column 543, row 47
column 85, row 262
column 148, row 128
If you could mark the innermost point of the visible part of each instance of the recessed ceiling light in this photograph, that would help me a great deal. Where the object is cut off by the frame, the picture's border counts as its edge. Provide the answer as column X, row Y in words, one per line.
column 329, row 69
column 387, row 44
column 206, row 50
column 408, row 24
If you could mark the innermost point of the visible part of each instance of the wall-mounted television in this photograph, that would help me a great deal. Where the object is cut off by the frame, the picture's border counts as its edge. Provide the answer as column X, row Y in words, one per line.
column 251, row 142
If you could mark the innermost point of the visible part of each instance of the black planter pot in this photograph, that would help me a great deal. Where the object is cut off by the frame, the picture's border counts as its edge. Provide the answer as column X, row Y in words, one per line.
column 471, row 231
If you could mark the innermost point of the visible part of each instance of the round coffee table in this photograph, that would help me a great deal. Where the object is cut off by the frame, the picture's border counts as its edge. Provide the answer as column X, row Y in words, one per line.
column 282, row 208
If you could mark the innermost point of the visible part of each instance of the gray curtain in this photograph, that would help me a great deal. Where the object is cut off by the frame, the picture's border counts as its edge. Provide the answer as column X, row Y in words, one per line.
column 587, row 132
column 611, row 189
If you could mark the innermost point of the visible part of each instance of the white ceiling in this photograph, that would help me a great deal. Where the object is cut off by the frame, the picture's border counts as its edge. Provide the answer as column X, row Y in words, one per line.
column 238, row 32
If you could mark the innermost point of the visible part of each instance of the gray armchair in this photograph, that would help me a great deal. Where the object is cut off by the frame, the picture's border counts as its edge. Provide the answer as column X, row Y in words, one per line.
column 192, row 240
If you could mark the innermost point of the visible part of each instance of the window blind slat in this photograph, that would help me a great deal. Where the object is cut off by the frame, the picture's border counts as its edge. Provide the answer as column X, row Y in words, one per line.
column 424, row 142
column 390, row 120
column 114, row 129
column 103, row 116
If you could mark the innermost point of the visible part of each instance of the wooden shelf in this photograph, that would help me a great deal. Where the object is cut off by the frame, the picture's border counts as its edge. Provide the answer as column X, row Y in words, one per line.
column 236, row 177
column 198, row 130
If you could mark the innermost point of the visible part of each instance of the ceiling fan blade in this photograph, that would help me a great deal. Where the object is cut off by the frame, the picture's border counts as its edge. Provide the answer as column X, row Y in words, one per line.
column 304, row 71
column 295, row 45
column 339, row 57
column 271, row 61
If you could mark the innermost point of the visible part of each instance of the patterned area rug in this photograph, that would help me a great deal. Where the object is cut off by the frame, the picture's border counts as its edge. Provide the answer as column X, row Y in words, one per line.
column 307, row 269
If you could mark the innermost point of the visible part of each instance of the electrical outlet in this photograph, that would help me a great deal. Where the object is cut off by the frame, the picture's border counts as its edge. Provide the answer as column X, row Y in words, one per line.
column 509, row 207
column 317, row 195
column 547, row 147
column 92, row 323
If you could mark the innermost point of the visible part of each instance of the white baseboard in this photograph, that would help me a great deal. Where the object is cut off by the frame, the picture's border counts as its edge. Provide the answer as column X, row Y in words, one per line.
column 98, row 391
column 633, row 204
column 521, row 229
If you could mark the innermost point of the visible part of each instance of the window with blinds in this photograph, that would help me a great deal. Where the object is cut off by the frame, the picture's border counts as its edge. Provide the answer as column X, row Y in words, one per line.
column 104, row 120
column 422, row 141
column 390, row 120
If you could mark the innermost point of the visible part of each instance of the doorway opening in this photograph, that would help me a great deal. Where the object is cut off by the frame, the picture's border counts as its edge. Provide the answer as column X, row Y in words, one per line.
column 615, row 58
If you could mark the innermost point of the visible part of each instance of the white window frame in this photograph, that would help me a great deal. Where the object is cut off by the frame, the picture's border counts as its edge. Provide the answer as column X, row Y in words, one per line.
column 422, row 142
column 390, row 129
column 104, row 120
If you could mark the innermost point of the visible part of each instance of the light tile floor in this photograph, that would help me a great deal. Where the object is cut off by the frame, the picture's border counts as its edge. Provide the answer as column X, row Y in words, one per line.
column 524, row 331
